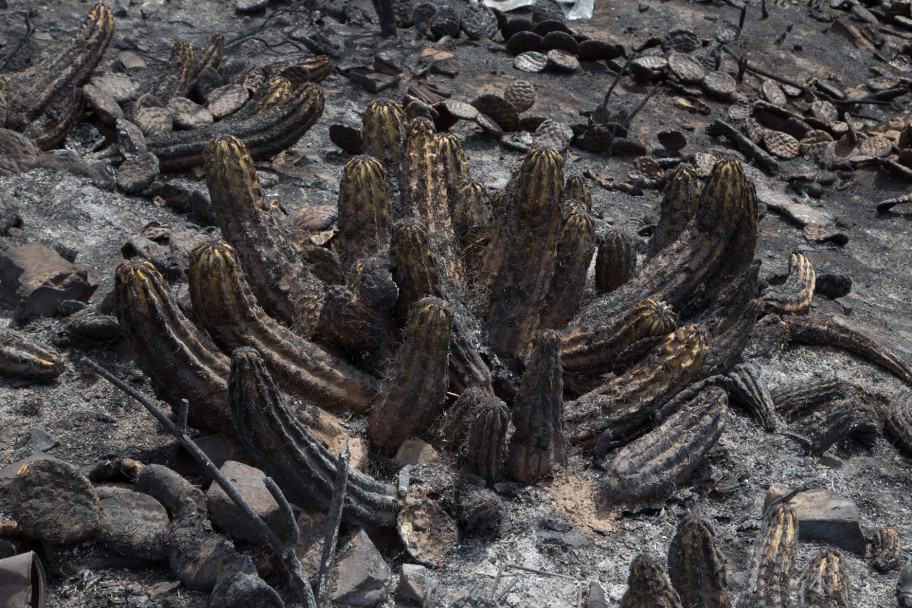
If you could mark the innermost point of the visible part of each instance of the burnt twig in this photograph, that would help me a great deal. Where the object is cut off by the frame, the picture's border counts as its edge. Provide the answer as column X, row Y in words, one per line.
column 284, row 550
column 332, row 526
column 747, row 147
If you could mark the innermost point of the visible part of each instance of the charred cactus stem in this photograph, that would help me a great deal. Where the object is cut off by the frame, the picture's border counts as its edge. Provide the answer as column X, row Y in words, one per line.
column 451, row 157
column 665, row 457
column 627, row 403
column 42, row 84
column 186, row 503
column 898, row 422
column 648, row 585
column 227, row 308
column 319, row 67
column 281, row 284
column 264, row 134
column 576, row 190
column 484, row 435
column 749, row 388
column 415, row 272
column 794, row 296
column 383, row 128
column 520, row 285
column 615, row 263
column 593, row 350
column 824, row 332
column 414, row 391
column 825, row 583
column 183, row 361
column 347, row 320
column 771, row 564
column 575, row 248
column 678, row 206
column 289, row 453
column 537, row 445
column 23, row 357
column 211, row 57
column 364, row 210
column 886, row 549
column 696, row 567
column 681, row 271
column 178, row 74
column 425, row 197
column 826, row 429
column 472, row 221
column 50, row 129
column 795, row 400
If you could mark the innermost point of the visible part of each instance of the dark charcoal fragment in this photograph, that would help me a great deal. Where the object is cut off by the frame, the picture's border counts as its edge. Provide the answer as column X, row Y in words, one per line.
column 523, row 42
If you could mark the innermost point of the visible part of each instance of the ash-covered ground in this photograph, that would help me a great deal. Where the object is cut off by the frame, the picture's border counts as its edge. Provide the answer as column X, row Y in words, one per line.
column 552, row 527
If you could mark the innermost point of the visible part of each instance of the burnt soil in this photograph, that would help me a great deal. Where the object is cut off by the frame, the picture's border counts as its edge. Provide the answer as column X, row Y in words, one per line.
column 554, row 526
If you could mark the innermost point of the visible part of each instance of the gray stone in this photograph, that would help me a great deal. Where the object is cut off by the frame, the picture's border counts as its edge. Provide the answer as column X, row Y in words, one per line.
column 42, row 441
column 129, row 60
column 105, row 107
column 414, row 582
column 250, row 6
column 239, row 588
column 830, row 518
column 130, row 138
column 596, row 598
column 226, row 100
column 227, row 516
column 363, row 576
column 137, row 173
column 118, row 86
column 34, row 279
column 187, row 114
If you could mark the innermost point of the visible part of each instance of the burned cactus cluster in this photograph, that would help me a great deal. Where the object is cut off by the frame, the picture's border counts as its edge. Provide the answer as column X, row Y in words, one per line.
column 442, row 311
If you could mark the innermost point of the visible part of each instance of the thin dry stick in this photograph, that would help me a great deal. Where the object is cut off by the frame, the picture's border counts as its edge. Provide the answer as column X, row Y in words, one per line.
column 332, row 526
column 496, row 582
column 285, row 551
column 541, row 572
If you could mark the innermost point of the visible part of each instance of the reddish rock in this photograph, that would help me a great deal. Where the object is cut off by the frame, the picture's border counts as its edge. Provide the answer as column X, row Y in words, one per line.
column 34, row 279
column 18, row 153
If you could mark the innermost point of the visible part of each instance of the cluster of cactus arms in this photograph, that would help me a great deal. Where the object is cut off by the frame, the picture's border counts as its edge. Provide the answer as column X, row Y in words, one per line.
column 696, row 575
column 464, row 318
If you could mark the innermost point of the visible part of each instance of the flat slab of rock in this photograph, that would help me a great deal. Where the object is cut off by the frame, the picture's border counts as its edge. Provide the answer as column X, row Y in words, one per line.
column 226, row 100
column 363, row 576
column 228, row 516
column 830, row 518
column 187, row 114
column 18, row 153
column 34, row 279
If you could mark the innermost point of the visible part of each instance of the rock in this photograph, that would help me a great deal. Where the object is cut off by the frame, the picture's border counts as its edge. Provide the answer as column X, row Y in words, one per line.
column 128, row 60
column 9, row 215
column 218, row 448
column 34, row 279
column 596, row 598
column 226, row 100
column 238, row 588
column 363, row 576
column 18, row 153
column 414, row 582
column 132, row 524
column 357, row 450
column 414, row 451
column 118, row 87
column 312, row 528
column 137, row 173
column 130, row 137
column 774, row 493
column 830, row 518
column 104, row 106
column 229, row 517
column 187, row 114
column 152, row 120
column 250, row 6
column 89, row 324
column 41, row 441
column 54, row 502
